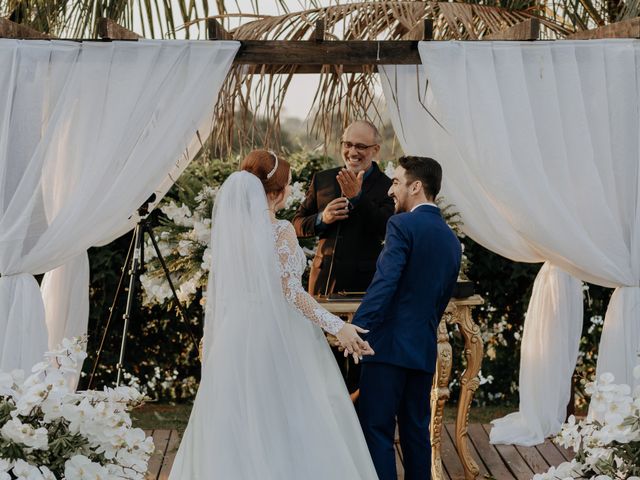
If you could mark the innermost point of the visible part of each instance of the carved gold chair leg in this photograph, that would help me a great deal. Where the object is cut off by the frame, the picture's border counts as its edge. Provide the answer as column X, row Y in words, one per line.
column 473, row 351
column 439, row 397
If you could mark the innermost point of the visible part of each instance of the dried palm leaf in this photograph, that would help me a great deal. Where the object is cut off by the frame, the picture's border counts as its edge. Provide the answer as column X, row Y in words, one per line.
column 253, row 92
column 77, row 19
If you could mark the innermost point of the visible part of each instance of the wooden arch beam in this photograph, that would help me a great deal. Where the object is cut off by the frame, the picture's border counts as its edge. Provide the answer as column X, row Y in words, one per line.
column 624, row 29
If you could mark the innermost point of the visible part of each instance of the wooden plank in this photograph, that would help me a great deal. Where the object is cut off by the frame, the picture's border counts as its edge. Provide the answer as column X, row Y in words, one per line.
column 532, row 456
column 625, row 29
column 513, row 460
column 343, row 52
column 450, row 460
column 160, row 440
column 523, row 461
column 526, row 30
column 9, row 29
column 566, row 453
column 488, row 453
column 313, row 69
column 170, row 455
column 110, row 30
column 451, row 429
column 550, row 453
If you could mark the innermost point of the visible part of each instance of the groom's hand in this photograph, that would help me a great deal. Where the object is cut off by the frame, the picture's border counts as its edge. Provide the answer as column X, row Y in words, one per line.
column 366, row 350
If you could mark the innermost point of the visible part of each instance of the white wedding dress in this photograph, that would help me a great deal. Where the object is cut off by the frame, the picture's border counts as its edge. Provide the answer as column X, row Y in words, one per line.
column 271, row 404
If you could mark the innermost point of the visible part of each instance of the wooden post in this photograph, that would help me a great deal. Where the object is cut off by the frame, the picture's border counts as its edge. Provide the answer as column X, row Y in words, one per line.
column 318, row 33
column 624, row 29
column 215, row 30
column 111, row 30
column 526, row 30
column 428, row 29
column 9, row 29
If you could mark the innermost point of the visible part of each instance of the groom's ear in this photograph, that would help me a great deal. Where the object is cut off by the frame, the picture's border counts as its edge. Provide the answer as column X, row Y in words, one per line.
column 416, row 187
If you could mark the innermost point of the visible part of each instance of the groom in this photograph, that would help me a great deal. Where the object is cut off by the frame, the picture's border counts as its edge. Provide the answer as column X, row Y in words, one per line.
column 415, row 275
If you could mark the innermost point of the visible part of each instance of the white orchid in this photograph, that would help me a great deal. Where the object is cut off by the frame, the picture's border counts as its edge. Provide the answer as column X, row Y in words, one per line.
column 81, row 468
column 298, row 192
column 43, row 409
column 390, row 169
column 25, row 434
column 608, row 440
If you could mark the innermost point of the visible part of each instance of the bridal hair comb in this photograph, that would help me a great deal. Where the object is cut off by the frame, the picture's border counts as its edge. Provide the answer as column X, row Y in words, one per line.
column 275, row 167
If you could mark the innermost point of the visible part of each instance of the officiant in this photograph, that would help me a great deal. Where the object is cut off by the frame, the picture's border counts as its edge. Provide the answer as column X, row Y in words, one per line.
column 347, row 208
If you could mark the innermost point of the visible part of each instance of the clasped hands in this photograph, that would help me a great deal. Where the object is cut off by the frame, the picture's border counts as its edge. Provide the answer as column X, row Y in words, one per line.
column 350, row 342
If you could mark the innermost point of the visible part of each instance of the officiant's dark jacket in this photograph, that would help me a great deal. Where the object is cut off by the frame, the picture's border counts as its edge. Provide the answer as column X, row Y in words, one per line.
column 356, row 241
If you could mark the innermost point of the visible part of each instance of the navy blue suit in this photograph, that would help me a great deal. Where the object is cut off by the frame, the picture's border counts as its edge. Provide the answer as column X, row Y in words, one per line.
column 415, row 276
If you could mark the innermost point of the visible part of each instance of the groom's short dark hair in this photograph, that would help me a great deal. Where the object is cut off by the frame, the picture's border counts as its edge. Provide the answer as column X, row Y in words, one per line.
column 424, row 169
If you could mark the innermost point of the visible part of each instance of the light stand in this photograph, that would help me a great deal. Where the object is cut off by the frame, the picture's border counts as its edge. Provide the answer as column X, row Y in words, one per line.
column 137, row 264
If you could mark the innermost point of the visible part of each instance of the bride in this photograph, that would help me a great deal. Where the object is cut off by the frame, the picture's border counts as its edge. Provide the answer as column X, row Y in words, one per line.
column 271, row 404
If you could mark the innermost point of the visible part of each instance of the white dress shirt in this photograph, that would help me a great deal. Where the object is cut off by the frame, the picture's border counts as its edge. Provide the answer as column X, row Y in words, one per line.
column 426, row 203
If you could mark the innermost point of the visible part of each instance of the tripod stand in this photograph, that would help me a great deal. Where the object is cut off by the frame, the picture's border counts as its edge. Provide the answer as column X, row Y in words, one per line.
column 137, row 266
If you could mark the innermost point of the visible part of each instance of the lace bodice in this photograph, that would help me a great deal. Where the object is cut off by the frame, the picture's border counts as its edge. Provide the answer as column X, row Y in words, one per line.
column 292, row 265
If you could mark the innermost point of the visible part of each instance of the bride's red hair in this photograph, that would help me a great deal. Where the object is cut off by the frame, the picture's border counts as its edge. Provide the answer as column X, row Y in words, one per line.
column 260, row 163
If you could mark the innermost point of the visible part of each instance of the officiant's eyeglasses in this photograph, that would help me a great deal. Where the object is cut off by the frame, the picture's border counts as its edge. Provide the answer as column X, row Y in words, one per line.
column 361, row 147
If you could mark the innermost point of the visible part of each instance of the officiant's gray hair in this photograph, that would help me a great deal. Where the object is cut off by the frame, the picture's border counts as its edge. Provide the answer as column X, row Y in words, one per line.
column 424, row 169
column 374, row 130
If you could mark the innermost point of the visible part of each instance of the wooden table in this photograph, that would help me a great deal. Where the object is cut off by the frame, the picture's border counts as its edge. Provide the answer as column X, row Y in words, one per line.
column 458, row 312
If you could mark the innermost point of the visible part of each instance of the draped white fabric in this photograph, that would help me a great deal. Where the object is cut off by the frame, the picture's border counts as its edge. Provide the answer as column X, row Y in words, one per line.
column 540, row 150
column 87, row 132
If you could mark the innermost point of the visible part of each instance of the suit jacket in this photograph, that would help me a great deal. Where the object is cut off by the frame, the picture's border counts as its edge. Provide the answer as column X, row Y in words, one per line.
column 356, row 241
column 414, row 279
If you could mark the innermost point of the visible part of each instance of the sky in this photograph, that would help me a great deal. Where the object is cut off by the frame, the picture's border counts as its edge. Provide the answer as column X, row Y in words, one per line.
column 302, row 88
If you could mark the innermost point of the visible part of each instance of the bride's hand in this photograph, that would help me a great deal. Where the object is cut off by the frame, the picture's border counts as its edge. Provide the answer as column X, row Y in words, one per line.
column 351, row 342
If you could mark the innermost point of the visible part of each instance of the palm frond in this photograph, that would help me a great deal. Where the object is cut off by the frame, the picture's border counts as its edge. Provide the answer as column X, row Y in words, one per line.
column 629, row 9
column 251, row 92
column 77, row 19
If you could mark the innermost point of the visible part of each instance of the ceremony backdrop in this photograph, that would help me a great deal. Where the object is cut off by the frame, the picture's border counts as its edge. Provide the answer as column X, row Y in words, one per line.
column 89, row 131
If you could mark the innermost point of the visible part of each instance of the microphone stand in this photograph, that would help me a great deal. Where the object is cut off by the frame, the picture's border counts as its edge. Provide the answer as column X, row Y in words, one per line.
column 333, row 256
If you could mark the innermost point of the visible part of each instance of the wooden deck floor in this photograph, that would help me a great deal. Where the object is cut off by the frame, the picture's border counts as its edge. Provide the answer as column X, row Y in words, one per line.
column 499, row 462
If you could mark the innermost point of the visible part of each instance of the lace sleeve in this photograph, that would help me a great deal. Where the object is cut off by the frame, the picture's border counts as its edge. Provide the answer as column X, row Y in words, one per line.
column 286, row 244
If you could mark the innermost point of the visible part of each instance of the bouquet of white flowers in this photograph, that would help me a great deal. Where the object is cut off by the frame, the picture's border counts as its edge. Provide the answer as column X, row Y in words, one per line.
column 607, row 441
column 48, row 432
column 184, row 243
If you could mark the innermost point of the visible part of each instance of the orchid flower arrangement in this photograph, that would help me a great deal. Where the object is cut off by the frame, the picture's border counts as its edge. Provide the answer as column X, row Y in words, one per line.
column 607, row 441
column 49, row 432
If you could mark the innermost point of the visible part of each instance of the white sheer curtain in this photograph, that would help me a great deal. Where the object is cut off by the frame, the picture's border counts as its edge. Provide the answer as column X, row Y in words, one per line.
column 87, row 132
column 539, row 145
